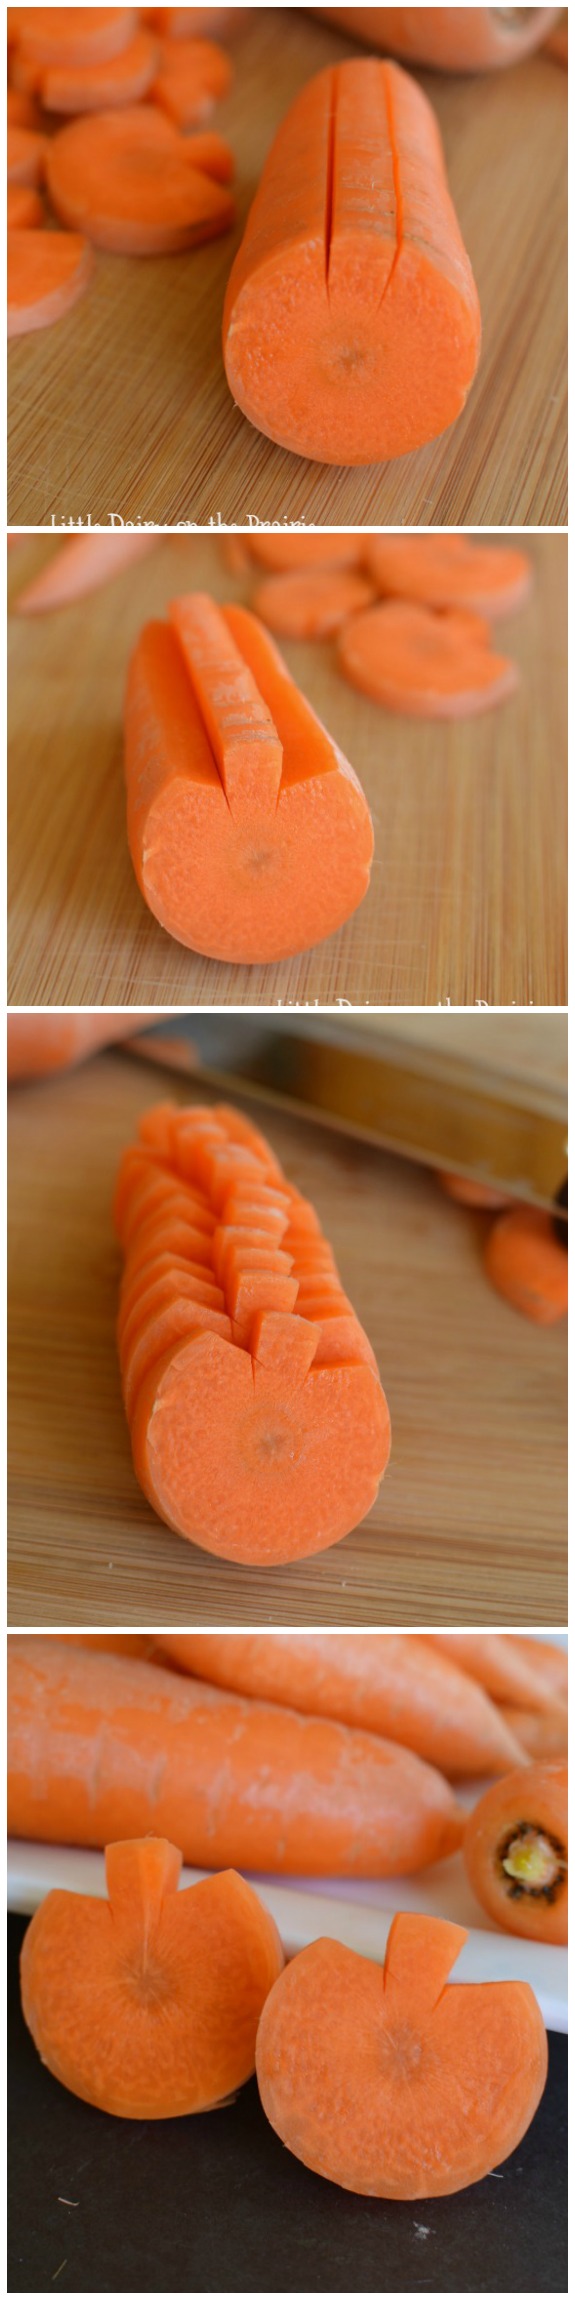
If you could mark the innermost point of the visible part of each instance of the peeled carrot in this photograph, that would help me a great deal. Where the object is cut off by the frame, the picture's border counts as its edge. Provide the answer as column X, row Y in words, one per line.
column 191, row 76
column 47, row 272
column 132, row 183
column 467, row 1192
column 450, row 571
column 136, row 1648
column 147, row 2005
column 542, row 1733
column 286, row 552
column 26, row 156
column 81, row 565
column 385, row 1684
column 310, row 605
column 99, row 1744
column 120, row 80
column 425, row 665
column 409, row 2090
column 25, row 211
column 526, row 1263
column 515, row 1850
column 505, row 1672
column 248, row 831
column 76, row 35
column 258, row 1423
column 351, row 320
column 38, row 1043
column 453, row 39
column 547, row 1662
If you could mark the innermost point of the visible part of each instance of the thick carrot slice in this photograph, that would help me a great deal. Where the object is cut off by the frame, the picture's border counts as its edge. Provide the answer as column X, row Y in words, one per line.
column 97, row 1975
column 74, row 36
column 425, row 665
column 454, row 39
column 498, row 1663
column 450, row 571
column 409, row 2090
column 121, row 80
column 26, row 156
column 385, row 1684
column 467, row 1192
column 284, row 553
column 351, row 320
column 515, row 1849
column 38, row 1043
column 191, row 76
column 249, row 834
column 98, row 1743
column 259, row 1427
column 526, row 1263
column 131, row 182
column 25, row 211
column 47, row 272
column 81, row 565
column 542, row 1733
column 310, row 606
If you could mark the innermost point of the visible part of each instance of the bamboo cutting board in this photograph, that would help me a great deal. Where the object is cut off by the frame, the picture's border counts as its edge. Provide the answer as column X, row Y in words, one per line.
column 124, row 407
column 468, row 893
column 470, row 1523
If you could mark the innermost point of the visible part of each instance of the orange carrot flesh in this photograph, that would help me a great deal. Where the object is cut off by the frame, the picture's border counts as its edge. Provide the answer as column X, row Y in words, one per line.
column 147, row 2004
column 130, row 181
column 425, row 665
column 191, row 77
column 47, row 273
column 248, row 831
column 258, row 1423
column 505, row 1672
column 76, row 35
column 548, row 1663
column 22, row 110
column 283, row 554
column 542, row 1733
column 26, row 156
column 351, row 320
column 450, row 571
column 25, row 211
column 407, row 2090
column 39, row 1043
column 82, row 564
column 310, row 605
column 384, row 1684
column 121, row 80
column 99, row 1744
column 516, row 1852
column 452, row 39
column 527, row 1264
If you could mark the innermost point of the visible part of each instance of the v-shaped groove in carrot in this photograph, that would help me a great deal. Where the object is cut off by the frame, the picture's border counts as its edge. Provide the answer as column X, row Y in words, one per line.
column 240, row 730
column 362, row 171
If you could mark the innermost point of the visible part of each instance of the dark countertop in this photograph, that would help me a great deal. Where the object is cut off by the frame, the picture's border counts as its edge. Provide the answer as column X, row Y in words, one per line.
column 215, row 2204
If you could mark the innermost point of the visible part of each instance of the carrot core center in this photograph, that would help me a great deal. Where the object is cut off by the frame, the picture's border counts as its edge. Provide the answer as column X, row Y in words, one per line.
column 532, row 1861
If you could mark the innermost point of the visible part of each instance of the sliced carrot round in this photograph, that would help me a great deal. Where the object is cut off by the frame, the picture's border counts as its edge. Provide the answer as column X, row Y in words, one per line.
column 309, row 606
column 450, row 571
column 118, row 80
column 191, row 77
column 47, row 272
column 129, row 181
column 76, row 35
column 25, row 211
column 527, row 1263
column 26, row 156
column 516, row 1853
column 422, row 664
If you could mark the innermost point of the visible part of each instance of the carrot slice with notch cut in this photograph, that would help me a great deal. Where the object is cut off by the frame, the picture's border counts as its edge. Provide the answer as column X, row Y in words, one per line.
column 117, row 80
column 450, row 571
column 47, row 272
column 191, row 77
column 130, row 181
column 312, row 605
column 423, row 664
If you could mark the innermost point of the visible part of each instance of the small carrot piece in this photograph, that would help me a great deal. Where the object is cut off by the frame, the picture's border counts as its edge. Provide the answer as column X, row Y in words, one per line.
column 310, row 605
column 451, row 39
column 147, row 2005
column 26, row 156
column 130, row 180
column 249, row 834
column 450, row 571
column 82, row 565
column 119, row 80
column 25, row 211
column 516, row 1856
column 76, row 35
column 407, row 2090
column 351, row 321
column 422, row 664
column 467, row 1192
column 47, row 272
column 542, row 1733
column 527, row 1264
column 506, row 1673
column 98, row 1743
column 192, row 76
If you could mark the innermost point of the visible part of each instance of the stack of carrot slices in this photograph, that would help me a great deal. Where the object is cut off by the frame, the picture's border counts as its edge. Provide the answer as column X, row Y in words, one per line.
column 122, row 174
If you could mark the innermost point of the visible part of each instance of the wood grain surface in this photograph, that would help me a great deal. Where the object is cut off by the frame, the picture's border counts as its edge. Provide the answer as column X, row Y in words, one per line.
column 470, row 1523
column 123, row 406
column 468, row 891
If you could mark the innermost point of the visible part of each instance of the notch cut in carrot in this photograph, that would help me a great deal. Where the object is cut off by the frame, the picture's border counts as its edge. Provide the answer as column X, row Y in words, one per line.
column 516, row 1852
column 311, row 605
column 351, row 320
column 191, row 77
column 258, row 1423
column 451, row 39
column 47, row 272
column 119, row 80
column 131, row 182
column 424, row 664
column 147, row 2004
column 399, row 2085
column 527, row 1264
column 450, row 571
column 249, row 833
